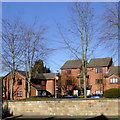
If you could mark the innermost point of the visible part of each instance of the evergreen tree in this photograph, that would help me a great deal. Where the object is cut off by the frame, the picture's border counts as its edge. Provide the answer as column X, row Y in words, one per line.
column 40, row 68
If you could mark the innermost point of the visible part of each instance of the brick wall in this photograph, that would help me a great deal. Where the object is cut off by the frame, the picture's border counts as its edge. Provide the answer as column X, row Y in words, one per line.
column 72, row 76
column 108, row 107
column 112, row 85
column 50, row 85
column 106, row 81
column 16, row 88
column 93, row 76
column 33, row 92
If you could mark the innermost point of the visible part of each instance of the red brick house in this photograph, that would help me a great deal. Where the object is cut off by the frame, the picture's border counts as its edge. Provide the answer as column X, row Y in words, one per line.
column 69, row 77
column 97, row 68
column 41, row 84
column 112, row 78
column 101, row 75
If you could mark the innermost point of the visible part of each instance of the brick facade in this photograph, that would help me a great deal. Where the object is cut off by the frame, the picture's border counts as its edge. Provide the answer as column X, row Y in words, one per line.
column 93, row 76
column 50, row 86
column 112, row 85
column 97, row 80
column 16, row 88
column 20, row 91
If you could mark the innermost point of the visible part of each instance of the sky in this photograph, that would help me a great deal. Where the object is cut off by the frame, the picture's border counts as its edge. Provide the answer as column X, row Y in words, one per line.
column 50, row 14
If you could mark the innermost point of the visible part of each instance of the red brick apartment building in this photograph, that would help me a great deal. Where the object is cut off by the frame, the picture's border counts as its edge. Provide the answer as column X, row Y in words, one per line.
column 41, row 84
column 101, row 75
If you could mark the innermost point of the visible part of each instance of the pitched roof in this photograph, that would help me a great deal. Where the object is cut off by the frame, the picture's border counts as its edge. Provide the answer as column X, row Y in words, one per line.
column 113, row 70
column 22, row 72
column 100, row 62
column 38, row 87
column 45, row 76
column 72, row 64
column 42, row 76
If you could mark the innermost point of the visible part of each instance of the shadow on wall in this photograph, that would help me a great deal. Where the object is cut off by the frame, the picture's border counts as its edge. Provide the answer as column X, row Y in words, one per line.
column 6, row 111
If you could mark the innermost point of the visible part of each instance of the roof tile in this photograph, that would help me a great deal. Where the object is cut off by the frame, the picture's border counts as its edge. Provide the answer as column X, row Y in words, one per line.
column 72, row 64
column 99, row 62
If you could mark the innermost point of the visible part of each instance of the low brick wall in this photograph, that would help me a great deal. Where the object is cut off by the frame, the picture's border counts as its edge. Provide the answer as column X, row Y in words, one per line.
column 108, row 107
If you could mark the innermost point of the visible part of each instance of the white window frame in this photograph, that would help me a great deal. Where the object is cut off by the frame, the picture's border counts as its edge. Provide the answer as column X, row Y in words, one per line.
column 113, row 80
column 19, row 93
column 75, row 92
column 36, row 92
column 99, row 91
column 98, row 70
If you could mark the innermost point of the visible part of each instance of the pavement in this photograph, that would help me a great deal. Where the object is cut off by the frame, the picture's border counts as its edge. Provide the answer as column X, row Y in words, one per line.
column 20, row 117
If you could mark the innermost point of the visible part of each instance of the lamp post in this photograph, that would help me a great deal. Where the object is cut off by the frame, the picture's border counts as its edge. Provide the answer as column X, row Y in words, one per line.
column 56, row 78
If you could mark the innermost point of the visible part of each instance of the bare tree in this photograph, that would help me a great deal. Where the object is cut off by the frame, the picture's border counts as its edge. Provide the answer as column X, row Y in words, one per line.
column 67, row 83
column 11, row 48
column 109, row 28
column 34, row 48
column 80, row 34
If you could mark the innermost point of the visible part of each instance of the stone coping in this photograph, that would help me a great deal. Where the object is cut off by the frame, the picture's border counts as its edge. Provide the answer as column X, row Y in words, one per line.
column 63, row 99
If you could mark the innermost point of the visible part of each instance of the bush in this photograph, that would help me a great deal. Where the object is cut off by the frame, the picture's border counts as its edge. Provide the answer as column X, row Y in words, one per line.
column 112, row 93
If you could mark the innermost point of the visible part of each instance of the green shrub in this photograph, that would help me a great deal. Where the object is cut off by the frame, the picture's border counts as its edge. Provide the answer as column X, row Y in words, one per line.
column 112, row 93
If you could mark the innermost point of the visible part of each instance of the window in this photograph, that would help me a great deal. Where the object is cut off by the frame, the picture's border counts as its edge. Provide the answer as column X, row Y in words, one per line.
column 98, row 70
column 99, row 81
column 113, row 80
column 68, row 71
column 19, row 93
column 44, row 93
column 42, row 83
column 39, row 93
column 68, row 82
column 19, row 82
column 81, row 81
column 99, row 91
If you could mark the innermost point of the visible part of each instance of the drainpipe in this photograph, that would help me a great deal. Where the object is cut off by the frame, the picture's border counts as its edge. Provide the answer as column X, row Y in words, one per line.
column 56, row 78
column 55, row 87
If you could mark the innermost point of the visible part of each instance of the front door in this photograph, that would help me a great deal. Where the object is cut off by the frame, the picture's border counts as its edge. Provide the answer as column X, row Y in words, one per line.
column 75, row 92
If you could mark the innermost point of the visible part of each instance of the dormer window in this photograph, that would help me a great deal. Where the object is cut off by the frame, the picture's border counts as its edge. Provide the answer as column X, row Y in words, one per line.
column 98, row 70
column 19, row 81
column 68, row 71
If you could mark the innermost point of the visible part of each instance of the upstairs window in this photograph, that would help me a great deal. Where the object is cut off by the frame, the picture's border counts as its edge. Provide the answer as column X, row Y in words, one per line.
column 19, row 93
column 98, row 70
column 113, row 80
column 68, row 82
column 81, row 81
column 68, row 71
column 99, row 81
column 19, row 82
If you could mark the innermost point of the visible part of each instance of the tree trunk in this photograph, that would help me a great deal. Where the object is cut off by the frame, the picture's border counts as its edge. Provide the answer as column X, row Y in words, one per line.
column 12, row 83
column 11, row 89
column 29, row 79
column 13, row 70
column 84, row 78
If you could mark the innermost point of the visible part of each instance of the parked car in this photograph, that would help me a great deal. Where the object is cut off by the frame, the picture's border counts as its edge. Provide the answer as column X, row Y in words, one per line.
column 70, row 97
column 96, row 96
column 52, row 96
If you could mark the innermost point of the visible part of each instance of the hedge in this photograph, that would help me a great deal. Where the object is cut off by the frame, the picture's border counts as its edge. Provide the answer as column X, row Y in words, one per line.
column 112, row 93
